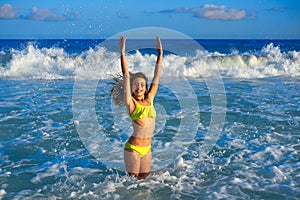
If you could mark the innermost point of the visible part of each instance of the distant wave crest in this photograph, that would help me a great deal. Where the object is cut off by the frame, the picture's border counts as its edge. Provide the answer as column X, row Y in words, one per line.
column 99, row 63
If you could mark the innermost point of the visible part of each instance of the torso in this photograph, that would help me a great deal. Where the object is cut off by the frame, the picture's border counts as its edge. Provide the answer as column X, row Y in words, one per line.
column 142, row 129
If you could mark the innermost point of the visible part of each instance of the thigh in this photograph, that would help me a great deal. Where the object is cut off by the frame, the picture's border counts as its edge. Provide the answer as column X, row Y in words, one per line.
column 145, row 165
column 132, row 162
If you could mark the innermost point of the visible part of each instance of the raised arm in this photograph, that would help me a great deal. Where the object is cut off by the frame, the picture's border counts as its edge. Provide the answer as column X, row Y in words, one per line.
column 126, row 76
column 157, row 71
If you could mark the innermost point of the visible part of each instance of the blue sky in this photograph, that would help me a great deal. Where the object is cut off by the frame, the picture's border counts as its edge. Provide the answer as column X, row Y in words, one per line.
column 94, row 19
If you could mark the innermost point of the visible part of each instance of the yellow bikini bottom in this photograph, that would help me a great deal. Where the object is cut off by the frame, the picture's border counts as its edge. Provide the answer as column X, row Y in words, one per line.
column 141, row 150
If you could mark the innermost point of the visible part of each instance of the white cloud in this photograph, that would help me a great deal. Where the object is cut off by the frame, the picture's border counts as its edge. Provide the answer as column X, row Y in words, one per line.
column 279, row 9
column 8, row 12
column 211, row 12
column 48, row 15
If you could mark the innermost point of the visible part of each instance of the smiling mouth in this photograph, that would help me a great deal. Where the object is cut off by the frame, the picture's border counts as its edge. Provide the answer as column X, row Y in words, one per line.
column 139, row 92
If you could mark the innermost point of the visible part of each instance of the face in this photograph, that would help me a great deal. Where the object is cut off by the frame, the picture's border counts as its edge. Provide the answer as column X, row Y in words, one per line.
column 138, row 87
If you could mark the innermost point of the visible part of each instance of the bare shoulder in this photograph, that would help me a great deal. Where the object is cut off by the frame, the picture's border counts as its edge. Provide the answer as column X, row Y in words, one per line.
column 149, row 99
column 152, row 91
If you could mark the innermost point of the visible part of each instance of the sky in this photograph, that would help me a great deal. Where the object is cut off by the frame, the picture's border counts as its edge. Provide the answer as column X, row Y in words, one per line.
column 99, row 19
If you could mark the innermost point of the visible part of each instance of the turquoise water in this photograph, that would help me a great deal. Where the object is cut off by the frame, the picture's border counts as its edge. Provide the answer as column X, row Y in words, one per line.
column 255, row 157
column 232, row 136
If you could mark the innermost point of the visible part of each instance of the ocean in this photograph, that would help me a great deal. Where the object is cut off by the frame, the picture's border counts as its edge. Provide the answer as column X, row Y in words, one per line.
column 228, row 114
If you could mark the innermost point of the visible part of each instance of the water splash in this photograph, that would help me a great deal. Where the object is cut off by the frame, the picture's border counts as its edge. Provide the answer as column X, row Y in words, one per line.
column 99, row 63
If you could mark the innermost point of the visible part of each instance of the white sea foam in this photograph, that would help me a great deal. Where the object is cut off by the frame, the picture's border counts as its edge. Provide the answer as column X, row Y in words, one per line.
column 51, row 171
column 2, row 193
column 99, row 63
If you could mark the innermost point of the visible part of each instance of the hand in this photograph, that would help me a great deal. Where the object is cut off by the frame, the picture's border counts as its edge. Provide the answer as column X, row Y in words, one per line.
column 158, row 45
column 122, row 44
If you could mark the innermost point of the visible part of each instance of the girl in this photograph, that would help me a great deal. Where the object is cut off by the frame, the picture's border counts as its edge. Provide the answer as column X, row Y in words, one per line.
column 139, row 102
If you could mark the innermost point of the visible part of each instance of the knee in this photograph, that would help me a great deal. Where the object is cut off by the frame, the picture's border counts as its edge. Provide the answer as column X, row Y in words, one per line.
column 133, row 174
column 139, row 175
column 143, row 175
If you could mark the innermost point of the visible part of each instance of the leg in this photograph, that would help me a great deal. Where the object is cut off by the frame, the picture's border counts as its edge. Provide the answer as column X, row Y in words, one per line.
column 145, row 165
column 132, row 162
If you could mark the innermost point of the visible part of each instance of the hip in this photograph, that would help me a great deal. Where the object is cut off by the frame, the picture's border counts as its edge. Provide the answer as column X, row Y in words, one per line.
column 140, row 141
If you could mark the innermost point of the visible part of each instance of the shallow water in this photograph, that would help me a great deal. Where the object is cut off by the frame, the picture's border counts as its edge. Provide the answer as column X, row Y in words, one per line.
column 256, row 155
column 227, row 121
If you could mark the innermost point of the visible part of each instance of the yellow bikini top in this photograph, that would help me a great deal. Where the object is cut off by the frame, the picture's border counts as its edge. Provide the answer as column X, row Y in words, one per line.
column 142, row 111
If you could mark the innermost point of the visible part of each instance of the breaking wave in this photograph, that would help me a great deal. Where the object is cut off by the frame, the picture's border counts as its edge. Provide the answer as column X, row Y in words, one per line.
column 33, row 62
